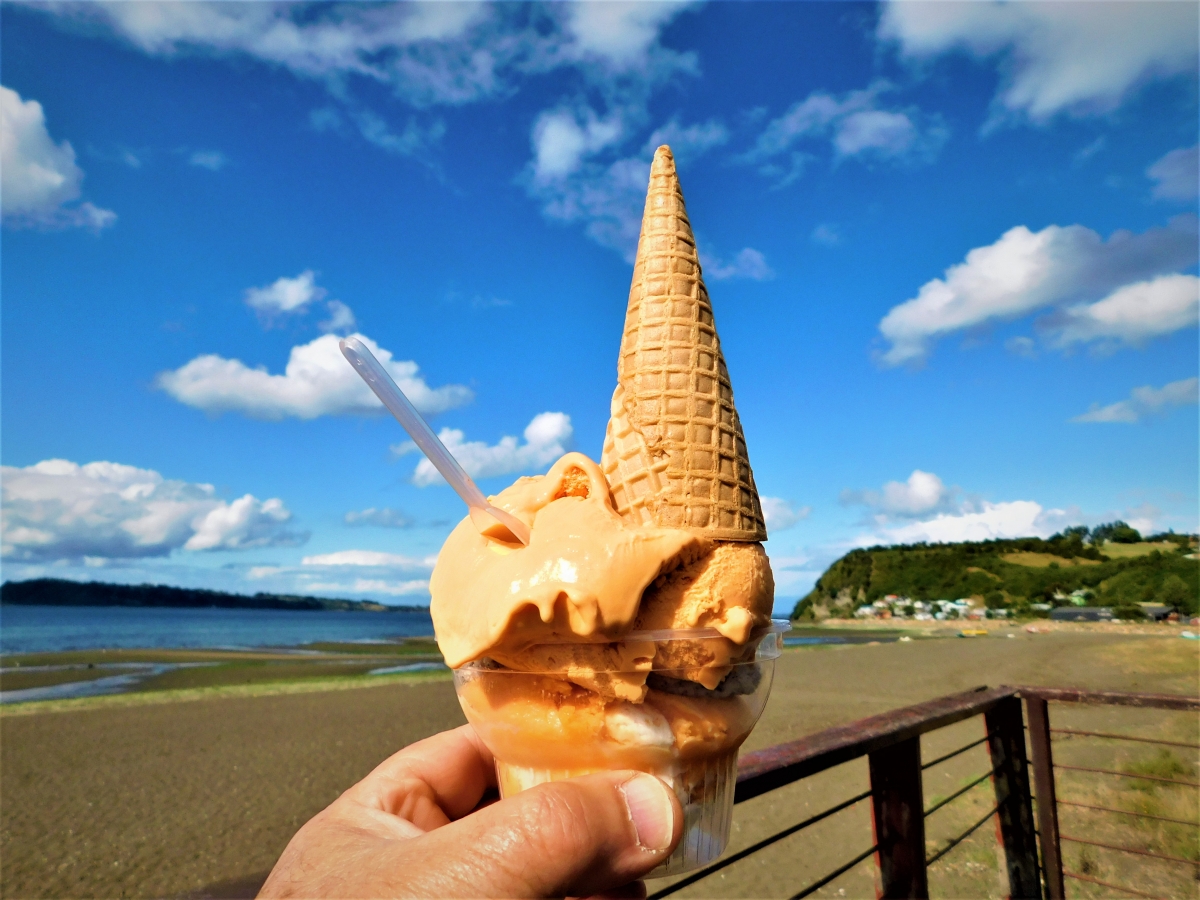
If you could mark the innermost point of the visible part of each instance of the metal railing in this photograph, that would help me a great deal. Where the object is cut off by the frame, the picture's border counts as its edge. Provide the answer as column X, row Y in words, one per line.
column 891, row 743
column 1041, row 742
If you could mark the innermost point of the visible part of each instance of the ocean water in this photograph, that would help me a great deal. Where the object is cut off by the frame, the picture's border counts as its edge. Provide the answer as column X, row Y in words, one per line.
column 35, row 629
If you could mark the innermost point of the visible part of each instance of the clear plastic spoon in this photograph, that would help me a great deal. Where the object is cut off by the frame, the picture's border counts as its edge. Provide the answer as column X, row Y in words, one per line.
column 490, row 520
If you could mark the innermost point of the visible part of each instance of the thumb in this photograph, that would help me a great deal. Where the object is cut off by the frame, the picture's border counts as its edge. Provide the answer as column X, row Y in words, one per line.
column 576, row 837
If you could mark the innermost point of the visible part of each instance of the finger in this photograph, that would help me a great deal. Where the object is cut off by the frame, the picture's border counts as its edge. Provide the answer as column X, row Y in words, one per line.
column 578, row 837
column 432, row 781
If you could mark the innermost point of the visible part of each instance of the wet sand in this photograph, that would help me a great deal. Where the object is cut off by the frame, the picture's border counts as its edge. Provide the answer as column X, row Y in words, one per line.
column 198, row 797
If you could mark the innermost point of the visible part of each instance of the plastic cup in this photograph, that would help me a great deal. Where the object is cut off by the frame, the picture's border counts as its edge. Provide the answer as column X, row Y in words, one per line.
column 574, row 718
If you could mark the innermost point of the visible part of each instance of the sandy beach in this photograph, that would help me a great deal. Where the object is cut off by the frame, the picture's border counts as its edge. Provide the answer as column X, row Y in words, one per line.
column 197, row 797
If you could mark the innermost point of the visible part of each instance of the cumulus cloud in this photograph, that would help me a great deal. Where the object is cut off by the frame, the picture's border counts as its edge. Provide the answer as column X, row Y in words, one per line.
column 547, row 437
column 623, row 36
column 39, row 180
column 317, row 381
column 562, row 138
column 370, row 559
column 429, row 54
column 1177, row 175
column 986, row 521
column 380, row 518
column 748, row 263
column 781, row 514
column 285, row 295
column 855, row 126
column 1132, row 314
column 1145, row 401
column 1025, row 271
column 341, row 318
column 1079, row 58
column 59, row 510
column 920, row 495
column 213, row 160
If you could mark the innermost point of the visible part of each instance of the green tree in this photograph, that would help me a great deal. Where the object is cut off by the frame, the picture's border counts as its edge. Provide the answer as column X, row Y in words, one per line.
column 1175, row 593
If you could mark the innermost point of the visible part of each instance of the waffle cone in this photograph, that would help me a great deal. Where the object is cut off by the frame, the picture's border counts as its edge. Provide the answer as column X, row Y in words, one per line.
column 674, row 452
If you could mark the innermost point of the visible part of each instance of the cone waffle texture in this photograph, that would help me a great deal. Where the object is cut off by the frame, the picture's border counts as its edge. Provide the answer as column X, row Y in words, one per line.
column 674, row 453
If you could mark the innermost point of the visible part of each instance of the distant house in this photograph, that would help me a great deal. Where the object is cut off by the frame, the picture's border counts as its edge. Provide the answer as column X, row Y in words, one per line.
column 1082, row 614
column 1156, row 611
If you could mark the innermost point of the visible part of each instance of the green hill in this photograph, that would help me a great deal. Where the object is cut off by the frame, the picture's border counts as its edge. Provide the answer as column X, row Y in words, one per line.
column 1013, row 574
column 59, row 592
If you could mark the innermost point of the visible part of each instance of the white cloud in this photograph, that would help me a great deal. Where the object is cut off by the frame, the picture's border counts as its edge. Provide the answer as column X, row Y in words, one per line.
column 780, row 514
column 621, row 35
column 213, row 160
column 370, row 559
column 39, row 178
column 394, row 588
column 687, row 141
column 920, row 495
column 1025, row 271
column 341, row 318
column 1021, row 346
column 380, row 518
column 415, row 140
column 576, row 179
column 1132, row 314
column 1177, row 174
column 59, row 510
column 854, row 124
column 561, row 141
column 317, row 381
column 826, row 234
column 1081, row 58
column 1018, row 518
column 748, row 263
column 286, row 295
column 546, row 439
column 608, row 199
column 1145, row 401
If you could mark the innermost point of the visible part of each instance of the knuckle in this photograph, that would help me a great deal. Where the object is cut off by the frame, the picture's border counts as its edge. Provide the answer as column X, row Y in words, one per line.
column 558, row 818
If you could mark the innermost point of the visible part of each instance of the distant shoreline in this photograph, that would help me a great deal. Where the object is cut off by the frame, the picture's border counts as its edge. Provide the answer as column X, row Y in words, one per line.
column 61, row 592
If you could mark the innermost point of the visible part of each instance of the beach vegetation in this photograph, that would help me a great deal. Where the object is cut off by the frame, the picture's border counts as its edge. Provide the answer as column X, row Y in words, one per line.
column 1015, row 575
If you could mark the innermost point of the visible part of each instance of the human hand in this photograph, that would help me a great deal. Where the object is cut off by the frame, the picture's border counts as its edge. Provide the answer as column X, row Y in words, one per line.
column 414, row 827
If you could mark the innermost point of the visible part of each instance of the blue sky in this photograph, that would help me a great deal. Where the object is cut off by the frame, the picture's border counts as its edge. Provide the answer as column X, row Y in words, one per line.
column 951, row 248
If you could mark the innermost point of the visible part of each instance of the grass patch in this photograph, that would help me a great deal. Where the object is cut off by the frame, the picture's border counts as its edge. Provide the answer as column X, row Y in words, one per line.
column 1152, row 656
column 1142, row 548
column 1043, row 560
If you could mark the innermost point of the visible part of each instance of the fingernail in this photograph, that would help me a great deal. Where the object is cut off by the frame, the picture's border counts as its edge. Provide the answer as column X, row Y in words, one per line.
column 650, row 808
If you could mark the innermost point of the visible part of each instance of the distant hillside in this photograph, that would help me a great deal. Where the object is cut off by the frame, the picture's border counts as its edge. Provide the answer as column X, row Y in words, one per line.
column 57, row 592
column 1013, row 574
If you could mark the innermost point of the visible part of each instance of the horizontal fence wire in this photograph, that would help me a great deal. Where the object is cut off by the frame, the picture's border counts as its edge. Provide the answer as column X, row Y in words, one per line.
column 817, row 885
column 1125, row 737
column 754, row 848
column 962, row 837
column 1129, row 775
column 1109, row 884
column 951, row 755
column 1126, row 812
column 984, row 777
column 1176, row 859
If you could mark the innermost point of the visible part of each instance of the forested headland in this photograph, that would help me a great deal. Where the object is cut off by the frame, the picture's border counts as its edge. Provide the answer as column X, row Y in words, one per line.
column 60, row 592
column 1110, row 565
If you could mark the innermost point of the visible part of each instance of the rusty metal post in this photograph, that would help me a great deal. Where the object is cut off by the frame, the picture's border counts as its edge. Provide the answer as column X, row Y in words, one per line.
column 898, row 807
column 1043, row 781
column 1010, row 777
